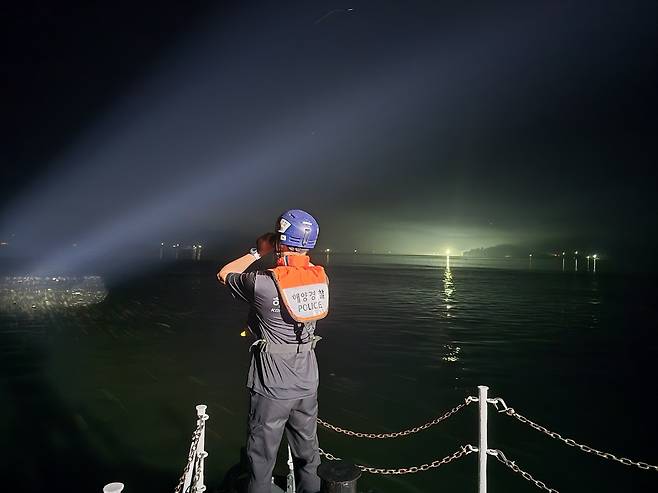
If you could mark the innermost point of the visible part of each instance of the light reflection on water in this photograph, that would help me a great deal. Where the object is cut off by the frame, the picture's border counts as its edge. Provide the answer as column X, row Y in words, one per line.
column 34, row 293
column 451, row 349
column 448, row 289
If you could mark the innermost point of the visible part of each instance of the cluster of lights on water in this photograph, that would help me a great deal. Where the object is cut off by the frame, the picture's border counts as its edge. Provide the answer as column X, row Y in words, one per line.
column 34, row 293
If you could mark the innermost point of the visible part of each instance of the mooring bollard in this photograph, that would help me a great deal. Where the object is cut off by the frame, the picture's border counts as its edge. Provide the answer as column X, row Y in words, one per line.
column 338, row 476
column 113, row 488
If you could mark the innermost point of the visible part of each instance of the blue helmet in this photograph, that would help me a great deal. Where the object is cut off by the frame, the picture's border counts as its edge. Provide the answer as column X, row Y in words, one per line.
column 297, row 228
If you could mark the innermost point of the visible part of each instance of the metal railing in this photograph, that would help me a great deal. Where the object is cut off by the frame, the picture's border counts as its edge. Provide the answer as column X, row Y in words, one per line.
column 482, row 449
column 192, row 479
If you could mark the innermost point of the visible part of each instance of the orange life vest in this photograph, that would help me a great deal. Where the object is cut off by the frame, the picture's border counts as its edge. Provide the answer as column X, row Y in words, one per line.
column 303, row 288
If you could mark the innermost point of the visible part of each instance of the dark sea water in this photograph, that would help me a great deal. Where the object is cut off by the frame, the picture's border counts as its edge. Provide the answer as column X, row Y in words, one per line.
column 106, row 391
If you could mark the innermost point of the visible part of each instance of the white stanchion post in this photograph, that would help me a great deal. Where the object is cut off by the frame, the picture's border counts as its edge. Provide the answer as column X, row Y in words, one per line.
column 482, row 447
column 201, row 448
column 113, row 488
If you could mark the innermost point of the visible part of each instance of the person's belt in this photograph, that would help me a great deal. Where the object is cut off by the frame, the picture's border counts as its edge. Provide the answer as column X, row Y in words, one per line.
column 265, row 346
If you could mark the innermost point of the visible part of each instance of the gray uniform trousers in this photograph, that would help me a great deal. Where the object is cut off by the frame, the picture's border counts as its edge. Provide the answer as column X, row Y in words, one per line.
column 267, row 420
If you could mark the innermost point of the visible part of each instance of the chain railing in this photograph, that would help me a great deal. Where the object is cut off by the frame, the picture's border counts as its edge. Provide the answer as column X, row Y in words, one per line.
column 196, row 486
column 194, row 459
column 509, row 411
column 463, row 451
column 402, row 433
column 526, row 475
column 191, row 456
column 483, row 449
column 192, row 479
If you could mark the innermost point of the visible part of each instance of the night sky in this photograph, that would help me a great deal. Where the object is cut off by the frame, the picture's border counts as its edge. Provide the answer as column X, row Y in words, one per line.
column 411, row 126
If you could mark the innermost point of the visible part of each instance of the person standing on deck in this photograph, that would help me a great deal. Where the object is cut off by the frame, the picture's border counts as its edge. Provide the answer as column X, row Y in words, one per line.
column 283, row 375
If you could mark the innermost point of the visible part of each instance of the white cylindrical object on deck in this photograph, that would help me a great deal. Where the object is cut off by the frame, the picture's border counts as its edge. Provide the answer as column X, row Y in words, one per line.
column 113, row 488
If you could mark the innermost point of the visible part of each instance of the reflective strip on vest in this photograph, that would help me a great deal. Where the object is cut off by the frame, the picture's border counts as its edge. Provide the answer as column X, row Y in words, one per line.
column 307, row 302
